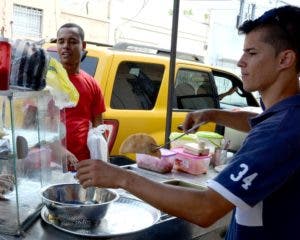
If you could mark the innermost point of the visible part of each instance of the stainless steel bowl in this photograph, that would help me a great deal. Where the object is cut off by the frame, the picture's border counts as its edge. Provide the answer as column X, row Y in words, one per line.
column 73, row 206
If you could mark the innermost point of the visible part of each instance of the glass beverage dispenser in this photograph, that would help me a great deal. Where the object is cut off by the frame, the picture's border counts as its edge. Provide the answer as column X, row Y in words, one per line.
column 30, row 127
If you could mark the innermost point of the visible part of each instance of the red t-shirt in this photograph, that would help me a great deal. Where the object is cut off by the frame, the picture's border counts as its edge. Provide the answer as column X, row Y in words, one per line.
column 77, row 119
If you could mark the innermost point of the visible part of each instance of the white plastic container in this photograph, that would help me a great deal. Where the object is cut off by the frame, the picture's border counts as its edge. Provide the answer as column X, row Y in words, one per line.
column 190, row 163
column 164, row 164
column 213, row 140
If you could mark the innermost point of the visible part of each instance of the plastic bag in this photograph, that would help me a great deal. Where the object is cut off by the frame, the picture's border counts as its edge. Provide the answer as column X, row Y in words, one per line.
column 29, row 65
column 97, row 143
column 58, row 83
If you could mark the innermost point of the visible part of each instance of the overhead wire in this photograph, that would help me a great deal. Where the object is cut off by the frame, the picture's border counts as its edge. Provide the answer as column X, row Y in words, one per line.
column 145, row 2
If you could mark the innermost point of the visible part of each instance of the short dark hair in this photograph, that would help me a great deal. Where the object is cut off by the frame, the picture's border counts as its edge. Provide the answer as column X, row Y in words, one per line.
column 283, row 28
column 74, row 25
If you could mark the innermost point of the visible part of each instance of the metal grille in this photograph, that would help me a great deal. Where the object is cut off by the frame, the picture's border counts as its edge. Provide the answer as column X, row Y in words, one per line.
column 27, row 21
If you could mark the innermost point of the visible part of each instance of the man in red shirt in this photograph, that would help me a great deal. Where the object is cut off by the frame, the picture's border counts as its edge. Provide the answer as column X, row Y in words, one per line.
column 70, row 46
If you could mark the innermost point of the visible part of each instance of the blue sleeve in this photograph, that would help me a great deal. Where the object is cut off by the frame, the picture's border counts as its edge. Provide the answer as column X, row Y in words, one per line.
column 268, row 156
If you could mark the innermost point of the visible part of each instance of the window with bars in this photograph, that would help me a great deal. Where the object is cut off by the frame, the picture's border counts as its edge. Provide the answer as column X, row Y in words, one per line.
column 27, row 22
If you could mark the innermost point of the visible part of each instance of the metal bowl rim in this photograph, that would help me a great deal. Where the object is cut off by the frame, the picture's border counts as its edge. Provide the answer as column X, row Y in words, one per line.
column 77, row 205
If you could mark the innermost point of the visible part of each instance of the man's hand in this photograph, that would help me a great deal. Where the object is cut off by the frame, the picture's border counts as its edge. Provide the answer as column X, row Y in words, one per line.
column 69, row 160
column 196, row 117
column 60, row 152
column 99, row 174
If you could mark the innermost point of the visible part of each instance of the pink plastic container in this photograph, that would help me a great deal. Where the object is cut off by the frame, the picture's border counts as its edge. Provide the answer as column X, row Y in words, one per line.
column 162, row 165
column 190, row 163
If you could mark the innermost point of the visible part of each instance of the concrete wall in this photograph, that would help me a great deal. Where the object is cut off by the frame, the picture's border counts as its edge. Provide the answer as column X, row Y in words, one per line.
column 49, row 15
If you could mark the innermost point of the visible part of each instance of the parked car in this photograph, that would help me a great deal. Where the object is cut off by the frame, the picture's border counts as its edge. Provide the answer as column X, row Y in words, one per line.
column 135, row 79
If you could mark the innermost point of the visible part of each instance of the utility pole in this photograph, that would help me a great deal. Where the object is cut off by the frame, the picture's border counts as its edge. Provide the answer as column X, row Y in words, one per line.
column 172, row 69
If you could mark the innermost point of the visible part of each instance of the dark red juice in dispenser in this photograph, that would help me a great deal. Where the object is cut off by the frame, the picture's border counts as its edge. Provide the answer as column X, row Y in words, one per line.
column 5, row 61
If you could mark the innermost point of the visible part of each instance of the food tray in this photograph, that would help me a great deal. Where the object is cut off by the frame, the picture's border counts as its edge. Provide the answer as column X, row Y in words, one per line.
column 124, row 216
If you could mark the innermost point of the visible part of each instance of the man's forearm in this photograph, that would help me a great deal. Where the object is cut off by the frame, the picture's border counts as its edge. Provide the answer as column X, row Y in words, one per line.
column 238, row 120
column 192, row 205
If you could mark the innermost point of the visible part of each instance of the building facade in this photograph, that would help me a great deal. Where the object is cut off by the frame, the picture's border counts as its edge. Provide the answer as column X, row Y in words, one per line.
column 39, row 19
column 146, row 22
column 205, row 28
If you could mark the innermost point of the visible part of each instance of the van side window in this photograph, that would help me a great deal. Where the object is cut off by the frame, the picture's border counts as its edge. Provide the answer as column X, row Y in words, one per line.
column 194, row 90
column 136, row 85
column 89, row 64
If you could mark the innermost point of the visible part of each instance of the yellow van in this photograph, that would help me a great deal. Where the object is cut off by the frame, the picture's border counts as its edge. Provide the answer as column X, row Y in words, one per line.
column 134, row 80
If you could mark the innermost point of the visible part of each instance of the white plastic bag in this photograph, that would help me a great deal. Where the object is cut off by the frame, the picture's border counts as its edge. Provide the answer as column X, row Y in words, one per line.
column 97, row 143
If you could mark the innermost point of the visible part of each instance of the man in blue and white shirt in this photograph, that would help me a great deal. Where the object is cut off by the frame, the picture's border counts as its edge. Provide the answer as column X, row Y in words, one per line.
column 262, row 179
column 261, row 183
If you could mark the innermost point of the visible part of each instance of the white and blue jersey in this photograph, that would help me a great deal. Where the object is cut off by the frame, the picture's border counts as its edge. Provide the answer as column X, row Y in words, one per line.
column 263, row 178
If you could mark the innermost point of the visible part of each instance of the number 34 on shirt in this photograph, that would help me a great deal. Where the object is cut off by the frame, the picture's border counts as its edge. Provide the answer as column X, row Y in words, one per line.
column 242, row 176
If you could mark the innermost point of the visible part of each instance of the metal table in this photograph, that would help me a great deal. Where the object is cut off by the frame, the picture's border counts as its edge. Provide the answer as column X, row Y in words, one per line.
column 168, row 227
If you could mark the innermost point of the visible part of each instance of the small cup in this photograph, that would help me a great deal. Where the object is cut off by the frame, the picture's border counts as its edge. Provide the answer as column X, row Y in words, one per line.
column 219, row 157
